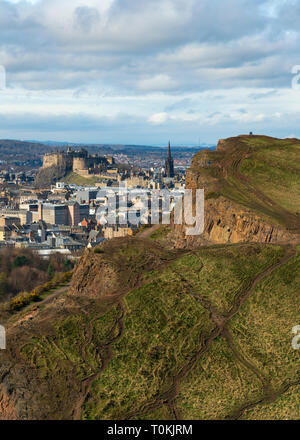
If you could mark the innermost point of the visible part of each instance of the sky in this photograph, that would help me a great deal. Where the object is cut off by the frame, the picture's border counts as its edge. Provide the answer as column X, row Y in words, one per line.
column 149, row 71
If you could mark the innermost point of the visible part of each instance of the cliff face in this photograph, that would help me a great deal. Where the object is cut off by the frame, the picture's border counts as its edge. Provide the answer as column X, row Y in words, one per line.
column 116, row 267
column 236, row 209
column 48, row 176
column 95, row 274
column 227, row 222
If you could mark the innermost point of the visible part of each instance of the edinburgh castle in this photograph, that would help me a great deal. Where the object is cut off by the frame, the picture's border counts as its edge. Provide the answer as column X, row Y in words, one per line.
column 80, row 162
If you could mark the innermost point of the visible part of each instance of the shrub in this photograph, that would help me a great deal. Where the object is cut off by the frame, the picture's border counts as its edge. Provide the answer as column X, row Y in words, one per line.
column 26, row 298
column 34, row 296
column 68, row 264
column 19, row 302
column 50, row 270
column 3, row 283
column 20, row 261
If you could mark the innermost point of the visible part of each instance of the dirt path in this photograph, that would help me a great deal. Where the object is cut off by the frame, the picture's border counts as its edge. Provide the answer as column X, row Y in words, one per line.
column 55, row 294
column 148, row 231
column 227, row 335
column 87, row 383
column 233, row 164
column 238, row 413
column 170, row 395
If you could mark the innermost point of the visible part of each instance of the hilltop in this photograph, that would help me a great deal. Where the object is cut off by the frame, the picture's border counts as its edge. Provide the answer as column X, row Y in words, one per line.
column 252, row 189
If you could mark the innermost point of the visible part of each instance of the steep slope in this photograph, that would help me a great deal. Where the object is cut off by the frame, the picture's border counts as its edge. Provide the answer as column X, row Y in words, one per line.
column 144, row 332
column 48, row 176
column 252, row 190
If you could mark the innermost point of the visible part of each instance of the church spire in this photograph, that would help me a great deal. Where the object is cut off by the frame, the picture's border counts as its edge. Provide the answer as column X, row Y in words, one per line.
column 169, row 164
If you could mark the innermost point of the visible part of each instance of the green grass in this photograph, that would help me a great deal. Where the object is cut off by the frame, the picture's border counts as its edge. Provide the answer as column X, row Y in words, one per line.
column 272, row 168
column 279, row 180
column 166, row 317
column 162, row 327
column 263, row 326
column 217, row 385
column 160, row 233
column 220, row 274
column 286, row 407
column 76, row 179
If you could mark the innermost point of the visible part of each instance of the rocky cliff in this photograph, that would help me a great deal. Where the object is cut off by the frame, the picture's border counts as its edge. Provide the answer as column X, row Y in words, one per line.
column 239, row 208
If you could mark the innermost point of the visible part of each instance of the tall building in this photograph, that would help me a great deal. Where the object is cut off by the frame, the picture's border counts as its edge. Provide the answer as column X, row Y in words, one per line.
column 169, row 164
column 54, row 214
column 65, row 214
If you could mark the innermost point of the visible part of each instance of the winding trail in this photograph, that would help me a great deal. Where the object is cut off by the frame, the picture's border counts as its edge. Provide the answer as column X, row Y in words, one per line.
column 55, row 294
column 238, row 413
column 230, row 167
column 148, row 231
column 87, row 383
column 221, row 321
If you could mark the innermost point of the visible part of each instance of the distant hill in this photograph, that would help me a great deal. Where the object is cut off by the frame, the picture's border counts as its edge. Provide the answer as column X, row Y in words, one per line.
column 18, row 152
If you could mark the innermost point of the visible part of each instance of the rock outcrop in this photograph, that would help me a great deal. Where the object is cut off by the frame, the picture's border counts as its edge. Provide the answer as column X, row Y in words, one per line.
column 226, row 220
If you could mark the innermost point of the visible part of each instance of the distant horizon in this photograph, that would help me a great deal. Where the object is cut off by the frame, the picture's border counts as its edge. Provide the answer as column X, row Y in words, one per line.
column 134, row 144
column 70, row 143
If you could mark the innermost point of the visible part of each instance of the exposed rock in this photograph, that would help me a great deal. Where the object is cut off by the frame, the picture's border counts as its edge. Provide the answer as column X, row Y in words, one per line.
column 94, row 277
column 7, row 406
column 226, row 222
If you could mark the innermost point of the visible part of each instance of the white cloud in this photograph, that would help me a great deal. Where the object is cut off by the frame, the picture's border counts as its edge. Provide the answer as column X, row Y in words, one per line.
column 159, row 82
column 158, row 118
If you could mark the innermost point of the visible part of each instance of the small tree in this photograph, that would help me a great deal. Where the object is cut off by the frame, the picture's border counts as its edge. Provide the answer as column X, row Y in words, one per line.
column 68, row 265
column 3, row 284
column 20, row 261
column 50, row 271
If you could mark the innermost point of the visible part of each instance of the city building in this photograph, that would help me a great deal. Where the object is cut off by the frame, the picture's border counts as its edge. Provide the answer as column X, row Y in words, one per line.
column 71, row 213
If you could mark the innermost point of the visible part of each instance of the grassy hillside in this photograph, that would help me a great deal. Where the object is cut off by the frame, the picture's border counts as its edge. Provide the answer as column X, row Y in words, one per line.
column 47, row 176
column 146, row 332
column 258, row 172
column 80, row 180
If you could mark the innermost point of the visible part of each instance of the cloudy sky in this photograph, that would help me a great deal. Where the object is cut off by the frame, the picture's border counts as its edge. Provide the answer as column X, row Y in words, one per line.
column 146, row 71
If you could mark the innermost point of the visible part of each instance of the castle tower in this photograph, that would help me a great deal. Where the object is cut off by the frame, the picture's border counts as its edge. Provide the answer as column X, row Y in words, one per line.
column 169, row 164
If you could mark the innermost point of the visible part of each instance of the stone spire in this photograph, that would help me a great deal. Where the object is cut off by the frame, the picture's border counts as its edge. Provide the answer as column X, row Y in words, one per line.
column 169, row 165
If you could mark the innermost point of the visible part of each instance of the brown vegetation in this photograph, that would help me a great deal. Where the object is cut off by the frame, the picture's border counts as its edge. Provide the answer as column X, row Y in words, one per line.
column 22, row 270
